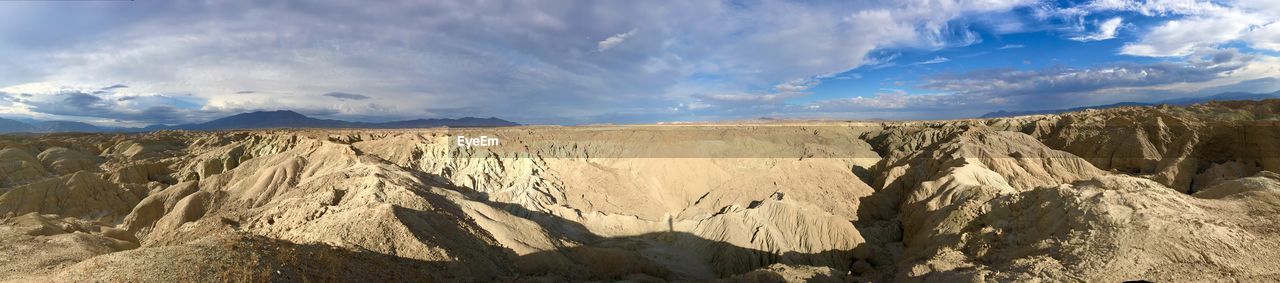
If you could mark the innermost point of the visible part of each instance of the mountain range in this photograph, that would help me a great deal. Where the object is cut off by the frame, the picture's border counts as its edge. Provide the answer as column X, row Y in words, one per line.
column 251, row 120
column 33, row 126
column 1177, row 101
column 290, row 119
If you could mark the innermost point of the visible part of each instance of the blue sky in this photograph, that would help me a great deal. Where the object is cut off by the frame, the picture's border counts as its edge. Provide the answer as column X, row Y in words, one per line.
column 578, row 62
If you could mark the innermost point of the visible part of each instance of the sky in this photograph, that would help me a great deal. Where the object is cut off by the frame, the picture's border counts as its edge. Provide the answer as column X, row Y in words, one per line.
column 137, row 63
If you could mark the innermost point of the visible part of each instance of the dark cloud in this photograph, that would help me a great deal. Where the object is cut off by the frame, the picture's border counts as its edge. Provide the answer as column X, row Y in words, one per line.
column 109, row 89
column 344, row 95
column 78, row 99
column 115, row 86
column 244, row 92
column 158, row 109
column 12, row 97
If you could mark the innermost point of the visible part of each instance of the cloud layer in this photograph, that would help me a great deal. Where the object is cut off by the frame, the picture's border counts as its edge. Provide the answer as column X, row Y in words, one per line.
column 582, row 62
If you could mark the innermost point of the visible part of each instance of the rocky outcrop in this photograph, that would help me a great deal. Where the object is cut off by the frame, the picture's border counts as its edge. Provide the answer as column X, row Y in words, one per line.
column 83, row 195
column 18, row 166
column 1263, row 183
column 61, row 160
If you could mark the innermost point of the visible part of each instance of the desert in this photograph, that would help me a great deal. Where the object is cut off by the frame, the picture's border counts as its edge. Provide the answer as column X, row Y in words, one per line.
column 1156, row 193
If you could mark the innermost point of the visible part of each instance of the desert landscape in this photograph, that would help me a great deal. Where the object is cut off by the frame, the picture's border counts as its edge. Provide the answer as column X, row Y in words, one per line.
column 1154, row 193
column 640, row 141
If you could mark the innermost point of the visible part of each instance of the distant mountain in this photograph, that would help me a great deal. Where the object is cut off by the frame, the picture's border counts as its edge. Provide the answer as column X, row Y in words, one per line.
column 266, row 119
column 251, row 120
column 290, row 119
column 68, row 126
column 14, row 126
column 1177, row 101
column 34, row 126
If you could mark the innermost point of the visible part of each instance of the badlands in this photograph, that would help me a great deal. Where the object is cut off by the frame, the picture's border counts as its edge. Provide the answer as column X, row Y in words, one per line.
column 1138, row 193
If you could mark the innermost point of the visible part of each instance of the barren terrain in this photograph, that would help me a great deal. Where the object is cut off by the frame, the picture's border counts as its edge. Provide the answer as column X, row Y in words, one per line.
column 1136, row 193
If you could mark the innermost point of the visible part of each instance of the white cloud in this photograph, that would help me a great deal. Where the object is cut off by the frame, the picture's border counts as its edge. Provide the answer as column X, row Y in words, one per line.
column 1204, row 25
column 1157, row 7
column 614, row 40
column 1180, row 28
column 1265, row 37
column 797, row 85
column 1185, row 36
column 1011, row 46
column 935, row 60
column 1106, row 30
